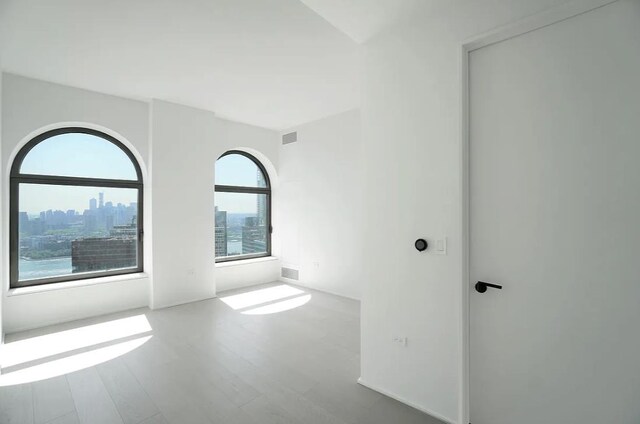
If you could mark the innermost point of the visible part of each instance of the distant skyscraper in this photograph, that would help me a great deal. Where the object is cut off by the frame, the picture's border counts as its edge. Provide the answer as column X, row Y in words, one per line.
column 101, row 203
column 93, row 204
column 109, row 222
column 254, row 236
column 90, row 221
column 262, row 200
column 221, row 233
column 23, row 222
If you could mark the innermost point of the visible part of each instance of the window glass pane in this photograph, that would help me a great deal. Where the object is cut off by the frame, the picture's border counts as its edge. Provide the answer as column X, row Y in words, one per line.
column 238, row 170
column 79, row 155
column 64, row 230
column 241, row 224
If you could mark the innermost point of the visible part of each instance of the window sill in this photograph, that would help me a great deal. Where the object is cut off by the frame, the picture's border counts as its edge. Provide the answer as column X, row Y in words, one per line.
column 240, row 262
column 20, row 291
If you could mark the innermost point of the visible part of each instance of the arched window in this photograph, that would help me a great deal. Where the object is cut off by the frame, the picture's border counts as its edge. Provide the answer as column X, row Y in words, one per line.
column 242, row 207
column 75, row 208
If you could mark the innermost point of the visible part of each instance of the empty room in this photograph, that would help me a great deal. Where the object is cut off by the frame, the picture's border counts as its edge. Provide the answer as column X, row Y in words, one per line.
column 319, row 211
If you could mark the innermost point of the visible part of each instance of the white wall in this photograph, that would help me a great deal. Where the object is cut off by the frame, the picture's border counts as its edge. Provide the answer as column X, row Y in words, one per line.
column 1, row 213
column 264, row 145
column 177, row 147
column 233, row 275
column 411, row 116
column 182, row 203
column 186, row 144
column 29, row 107
column 320, row 208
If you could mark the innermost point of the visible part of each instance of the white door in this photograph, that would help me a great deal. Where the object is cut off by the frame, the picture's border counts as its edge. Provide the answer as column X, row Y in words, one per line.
column 555, row 220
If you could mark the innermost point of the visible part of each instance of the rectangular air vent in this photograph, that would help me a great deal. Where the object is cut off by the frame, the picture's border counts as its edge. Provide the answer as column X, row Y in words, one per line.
column 290, row 138
column 290, row 273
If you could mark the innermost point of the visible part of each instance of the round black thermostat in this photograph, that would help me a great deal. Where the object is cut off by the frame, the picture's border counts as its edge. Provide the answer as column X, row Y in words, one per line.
column 421, row 245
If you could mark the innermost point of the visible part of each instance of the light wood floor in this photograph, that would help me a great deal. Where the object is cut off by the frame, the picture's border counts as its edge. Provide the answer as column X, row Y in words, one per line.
column 208, row 363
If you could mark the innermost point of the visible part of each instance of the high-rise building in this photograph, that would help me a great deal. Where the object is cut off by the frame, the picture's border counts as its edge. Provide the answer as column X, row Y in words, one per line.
column 99, row 254
column 109, row 222
column 90, row 221
column 23, row 222
column 101, row 203
column 129, row 230
column 262, row 200
column 254, row 238
column 221, row 233
column 93, row 204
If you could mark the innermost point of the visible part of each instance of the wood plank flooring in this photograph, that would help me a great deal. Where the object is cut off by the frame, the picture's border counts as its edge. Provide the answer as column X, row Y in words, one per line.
column 208, row 363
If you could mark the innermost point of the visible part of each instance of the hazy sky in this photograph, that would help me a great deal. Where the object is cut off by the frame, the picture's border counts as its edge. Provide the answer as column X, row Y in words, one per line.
column 85, row 155
column 237, row 202
column 78, row 155
column 240, row 171
column 237, row 170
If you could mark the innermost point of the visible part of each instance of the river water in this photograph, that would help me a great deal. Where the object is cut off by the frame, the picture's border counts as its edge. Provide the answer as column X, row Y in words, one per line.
column 30, row 269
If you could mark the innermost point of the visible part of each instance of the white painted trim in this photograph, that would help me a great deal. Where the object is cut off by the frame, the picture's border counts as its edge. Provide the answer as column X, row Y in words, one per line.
column 65, row 285
column 512, row 30
column 241, row 262
column 464, row 383
column 406, row 402
column 533, row 23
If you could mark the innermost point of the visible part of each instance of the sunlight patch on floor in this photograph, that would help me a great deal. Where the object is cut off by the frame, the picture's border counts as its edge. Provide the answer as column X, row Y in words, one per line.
column 260, row 296
column 282, row 306
column 267, row 301
column 70, row 363
column 34, row 348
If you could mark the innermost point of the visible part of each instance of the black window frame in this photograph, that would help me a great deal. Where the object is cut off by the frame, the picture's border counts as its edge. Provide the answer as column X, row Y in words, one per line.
column 220, row 188
column 16, row 178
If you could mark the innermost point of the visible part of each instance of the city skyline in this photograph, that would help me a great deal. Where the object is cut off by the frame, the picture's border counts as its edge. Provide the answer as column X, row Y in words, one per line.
column 36, row 198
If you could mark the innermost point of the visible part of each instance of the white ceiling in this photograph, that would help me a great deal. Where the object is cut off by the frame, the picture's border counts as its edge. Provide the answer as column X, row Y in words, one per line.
column 271, row 63
column 362, row 19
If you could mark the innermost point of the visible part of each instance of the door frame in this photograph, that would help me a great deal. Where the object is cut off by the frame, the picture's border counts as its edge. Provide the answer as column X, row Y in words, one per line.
column 512, row 30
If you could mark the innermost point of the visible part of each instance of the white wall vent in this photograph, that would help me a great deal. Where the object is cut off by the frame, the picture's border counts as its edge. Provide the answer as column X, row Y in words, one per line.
column 290, row 138
column 290, row 273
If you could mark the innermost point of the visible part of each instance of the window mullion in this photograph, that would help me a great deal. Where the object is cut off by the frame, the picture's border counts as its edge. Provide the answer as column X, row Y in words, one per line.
column 74, row 181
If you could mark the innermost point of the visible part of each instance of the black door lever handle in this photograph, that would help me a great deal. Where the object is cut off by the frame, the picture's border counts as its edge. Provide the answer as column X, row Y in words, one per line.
column 481, row 286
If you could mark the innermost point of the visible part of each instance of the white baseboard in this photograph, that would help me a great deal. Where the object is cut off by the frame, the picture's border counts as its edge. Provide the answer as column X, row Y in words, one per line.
column 406, row 402
column 181, row 302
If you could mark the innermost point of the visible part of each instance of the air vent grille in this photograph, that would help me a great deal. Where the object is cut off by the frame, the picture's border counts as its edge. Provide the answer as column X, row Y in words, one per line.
column 290, row 138
column 290, row 273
